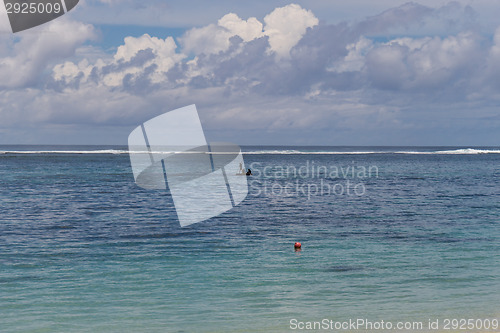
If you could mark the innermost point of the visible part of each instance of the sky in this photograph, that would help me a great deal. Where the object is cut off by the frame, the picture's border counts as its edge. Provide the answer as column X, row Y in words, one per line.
column 313, row 72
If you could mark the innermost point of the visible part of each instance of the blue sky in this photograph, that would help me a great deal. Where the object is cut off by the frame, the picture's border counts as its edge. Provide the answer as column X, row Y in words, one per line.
column 263, row 72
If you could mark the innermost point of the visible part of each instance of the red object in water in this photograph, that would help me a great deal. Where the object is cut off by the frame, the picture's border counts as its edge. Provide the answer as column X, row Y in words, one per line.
column 298, row 245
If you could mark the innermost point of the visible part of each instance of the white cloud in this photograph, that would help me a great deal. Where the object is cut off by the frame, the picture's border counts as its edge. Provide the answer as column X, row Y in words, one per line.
column 355, row 59
column 164, row 51
column 66, row 71
column 285, row 27
column 247, row 30
column 404, row 63
column 209, row 39
column 214, row 38
column 113, row 71
column 286, row 73
column 28, row 57
column 408, row 63
column 247, row 65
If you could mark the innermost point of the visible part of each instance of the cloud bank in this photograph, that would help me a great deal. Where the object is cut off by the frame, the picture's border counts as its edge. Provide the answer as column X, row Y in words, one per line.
column 287, row 78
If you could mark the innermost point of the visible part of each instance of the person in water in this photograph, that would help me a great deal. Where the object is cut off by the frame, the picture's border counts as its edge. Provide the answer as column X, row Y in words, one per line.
column 249, row 172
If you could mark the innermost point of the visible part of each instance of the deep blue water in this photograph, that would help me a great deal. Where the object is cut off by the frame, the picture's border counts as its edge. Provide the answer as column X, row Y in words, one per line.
column 82, row 248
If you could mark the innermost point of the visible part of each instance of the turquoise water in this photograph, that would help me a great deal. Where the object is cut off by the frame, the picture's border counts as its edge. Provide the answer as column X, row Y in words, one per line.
column 83, row 249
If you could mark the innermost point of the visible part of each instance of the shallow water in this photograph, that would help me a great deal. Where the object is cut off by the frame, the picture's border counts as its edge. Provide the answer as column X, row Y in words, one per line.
column 82, row 248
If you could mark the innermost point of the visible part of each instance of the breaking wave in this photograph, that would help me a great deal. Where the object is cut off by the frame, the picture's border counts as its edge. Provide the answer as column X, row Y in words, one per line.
column 464, row 151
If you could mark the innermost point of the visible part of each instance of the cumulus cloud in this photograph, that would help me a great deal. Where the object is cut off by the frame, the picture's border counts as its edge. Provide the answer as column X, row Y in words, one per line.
column 24, row 61
column 289, row 54
column 284, row 27
column 247, row 30
column 142, row 57
column 424, row 63
column 355, row 59
column 215, row 38
column 289, row 71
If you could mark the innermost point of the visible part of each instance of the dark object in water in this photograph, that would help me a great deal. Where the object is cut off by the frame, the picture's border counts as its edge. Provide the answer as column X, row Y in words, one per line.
column 341, row 268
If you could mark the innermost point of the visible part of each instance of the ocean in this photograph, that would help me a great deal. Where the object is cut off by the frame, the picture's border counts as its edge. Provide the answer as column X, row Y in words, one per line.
column 393, row 234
